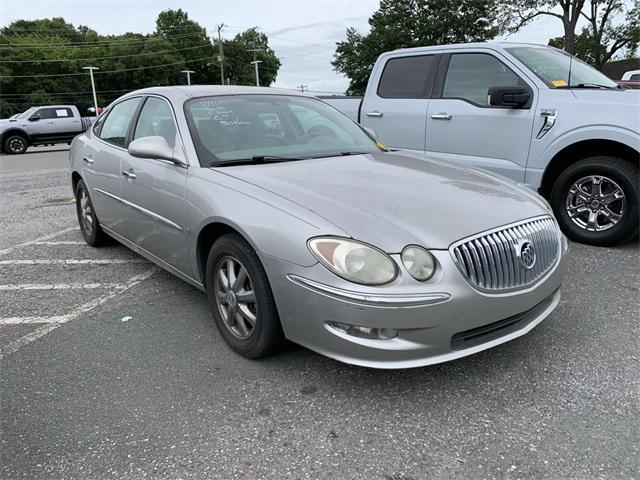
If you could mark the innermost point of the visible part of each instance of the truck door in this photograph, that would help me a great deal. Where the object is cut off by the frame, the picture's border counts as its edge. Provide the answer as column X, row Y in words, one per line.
column 67, row 125
column 42, row 125
column 396, row 104
column 463, row 127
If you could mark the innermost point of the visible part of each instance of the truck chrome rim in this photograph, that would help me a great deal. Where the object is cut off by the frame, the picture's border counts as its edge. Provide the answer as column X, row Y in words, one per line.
column 86, row 214
column 595, row 203
column 235, row 298
column 16, row 144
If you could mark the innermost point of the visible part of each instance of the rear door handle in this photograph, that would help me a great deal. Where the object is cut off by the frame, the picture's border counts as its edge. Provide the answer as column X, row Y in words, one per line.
column 441, row 116
column 374, row 114
column 129, row 174
column 87, row 160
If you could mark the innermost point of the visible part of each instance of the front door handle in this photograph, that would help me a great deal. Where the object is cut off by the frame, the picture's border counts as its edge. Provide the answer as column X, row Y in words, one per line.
column 441, row 116
column 129, row 174
column 374, row 114
column 87, row 160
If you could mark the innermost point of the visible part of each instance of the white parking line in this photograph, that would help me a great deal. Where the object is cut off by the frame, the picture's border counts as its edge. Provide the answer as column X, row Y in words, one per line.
column 39, row 239
column 53, row 322
column 60, row 286
column 72, row 261
column 61, row 242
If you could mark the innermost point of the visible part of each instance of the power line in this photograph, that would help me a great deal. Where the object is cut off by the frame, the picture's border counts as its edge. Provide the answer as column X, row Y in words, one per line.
column 106, row 71
column 104, row 58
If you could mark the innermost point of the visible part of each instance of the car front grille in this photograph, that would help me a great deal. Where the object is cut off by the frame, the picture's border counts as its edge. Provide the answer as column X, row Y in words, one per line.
column 509, row 257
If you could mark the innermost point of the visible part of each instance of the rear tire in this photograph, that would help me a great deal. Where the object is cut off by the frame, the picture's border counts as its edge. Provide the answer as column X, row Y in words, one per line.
column 596, row 200
column 89, row 224
column 15, row 144
column 250, row 297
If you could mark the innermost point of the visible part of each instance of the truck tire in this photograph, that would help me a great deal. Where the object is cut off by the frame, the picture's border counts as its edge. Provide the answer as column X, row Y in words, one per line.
column 595, row 200
column 15, row 144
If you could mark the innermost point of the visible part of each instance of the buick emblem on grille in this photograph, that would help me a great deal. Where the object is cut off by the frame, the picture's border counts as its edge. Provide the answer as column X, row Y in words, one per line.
column 526, row 254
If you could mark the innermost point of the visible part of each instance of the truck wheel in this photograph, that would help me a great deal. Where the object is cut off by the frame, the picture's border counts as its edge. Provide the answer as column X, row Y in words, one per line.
column 595, row 200
column 15, row 144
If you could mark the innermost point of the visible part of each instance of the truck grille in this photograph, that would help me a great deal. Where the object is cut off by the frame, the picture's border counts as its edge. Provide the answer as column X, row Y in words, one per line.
column 509, row 257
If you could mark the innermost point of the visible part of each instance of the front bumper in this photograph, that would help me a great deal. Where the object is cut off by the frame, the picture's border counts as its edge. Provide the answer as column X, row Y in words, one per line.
column 437, row 321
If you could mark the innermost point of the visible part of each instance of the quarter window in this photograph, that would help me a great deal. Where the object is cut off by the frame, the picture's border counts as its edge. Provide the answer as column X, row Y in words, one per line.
column 116, row 125
column 156, row 120
column 406, row 77
column 470, row 75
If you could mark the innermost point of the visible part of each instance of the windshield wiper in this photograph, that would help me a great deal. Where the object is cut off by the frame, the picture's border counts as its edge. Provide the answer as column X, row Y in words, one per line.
column 256, row 159
column 592, row 85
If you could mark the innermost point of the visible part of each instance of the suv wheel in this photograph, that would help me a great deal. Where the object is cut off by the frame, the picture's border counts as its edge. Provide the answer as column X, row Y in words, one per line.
column 15, row 144
column 596, row 199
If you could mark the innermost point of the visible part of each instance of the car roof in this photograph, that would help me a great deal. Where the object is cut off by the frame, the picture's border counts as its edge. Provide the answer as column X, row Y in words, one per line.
column 184, row 92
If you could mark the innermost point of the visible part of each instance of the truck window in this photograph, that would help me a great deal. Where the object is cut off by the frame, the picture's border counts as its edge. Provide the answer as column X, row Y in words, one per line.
column 46, row 113
column 156, row 119
column 115, row 127
column 470, row 75
column 406, row 77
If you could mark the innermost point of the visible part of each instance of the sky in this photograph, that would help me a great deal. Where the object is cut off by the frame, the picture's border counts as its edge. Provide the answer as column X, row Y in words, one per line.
column 303, row 33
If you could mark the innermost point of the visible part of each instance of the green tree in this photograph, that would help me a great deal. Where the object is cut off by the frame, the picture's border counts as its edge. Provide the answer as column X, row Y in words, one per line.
column 412, row 23
column 238, row 55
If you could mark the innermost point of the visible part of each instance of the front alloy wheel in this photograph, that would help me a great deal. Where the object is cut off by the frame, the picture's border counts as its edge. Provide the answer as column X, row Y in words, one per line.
column 595, row 200
column 15, row 145
column 235, row 298
column 240, row 298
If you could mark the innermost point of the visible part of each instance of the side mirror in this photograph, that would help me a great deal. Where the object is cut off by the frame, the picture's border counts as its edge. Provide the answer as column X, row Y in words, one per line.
column 509, row 96
column 155, row 148
column 35, row 117
column 371, row 132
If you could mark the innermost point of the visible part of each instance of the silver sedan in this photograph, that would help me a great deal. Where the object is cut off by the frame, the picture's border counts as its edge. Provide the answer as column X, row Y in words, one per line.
column 301, row 225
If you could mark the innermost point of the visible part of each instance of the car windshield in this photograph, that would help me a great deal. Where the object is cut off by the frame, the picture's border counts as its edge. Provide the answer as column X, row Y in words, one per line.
column 237, row 127
column 552, row 66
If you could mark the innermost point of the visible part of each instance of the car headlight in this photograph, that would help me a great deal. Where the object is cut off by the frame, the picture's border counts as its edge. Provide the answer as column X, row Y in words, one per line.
column 354, row 261
column 419, row 262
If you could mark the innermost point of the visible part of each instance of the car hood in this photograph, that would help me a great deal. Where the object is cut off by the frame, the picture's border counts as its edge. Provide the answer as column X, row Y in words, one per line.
column 395, row 199
column 627, row 96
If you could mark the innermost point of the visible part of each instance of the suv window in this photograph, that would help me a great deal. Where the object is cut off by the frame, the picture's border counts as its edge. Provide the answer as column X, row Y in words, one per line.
column 406, row 77
column 470, row 75
column 156, row 119
column 635, row 77
column 115, row 127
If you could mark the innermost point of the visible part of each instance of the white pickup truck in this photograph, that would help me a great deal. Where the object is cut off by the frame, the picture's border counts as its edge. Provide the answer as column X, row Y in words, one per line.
column 41, row 126
column 529, row 112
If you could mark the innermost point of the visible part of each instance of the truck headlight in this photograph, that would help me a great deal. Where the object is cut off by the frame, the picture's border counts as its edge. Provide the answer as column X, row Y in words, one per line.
column 354, row 261
column 419, row 262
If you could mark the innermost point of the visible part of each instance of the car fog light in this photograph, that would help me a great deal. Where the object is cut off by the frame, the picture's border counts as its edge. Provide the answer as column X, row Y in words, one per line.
column 419, row 262
column 365, row 332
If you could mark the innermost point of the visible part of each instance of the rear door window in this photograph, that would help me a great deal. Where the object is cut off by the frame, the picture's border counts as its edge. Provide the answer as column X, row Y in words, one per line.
column 116, row 125
column 407, row 77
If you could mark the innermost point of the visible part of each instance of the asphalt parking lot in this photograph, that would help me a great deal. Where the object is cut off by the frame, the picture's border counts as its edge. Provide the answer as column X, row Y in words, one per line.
column 111, row 368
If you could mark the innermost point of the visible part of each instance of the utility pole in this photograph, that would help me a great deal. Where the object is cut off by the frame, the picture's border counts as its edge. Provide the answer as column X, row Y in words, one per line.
column 221, row 55
column 93, row 86
column 302, row 87
column 255, row 62
column 188, row 72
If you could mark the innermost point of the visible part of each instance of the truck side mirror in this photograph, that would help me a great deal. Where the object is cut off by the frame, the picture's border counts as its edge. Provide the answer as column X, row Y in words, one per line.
column 35, row 117
column 509, row 96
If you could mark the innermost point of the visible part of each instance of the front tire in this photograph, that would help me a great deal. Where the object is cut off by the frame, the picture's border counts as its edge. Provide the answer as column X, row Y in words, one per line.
column 15, row 144
column 240, row 298
column 89, row 225
column 595, row 200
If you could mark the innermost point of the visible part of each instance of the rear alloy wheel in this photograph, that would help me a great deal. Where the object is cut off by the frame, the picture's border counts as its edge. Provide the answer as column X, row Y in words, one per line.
column 15, row 144
column 596, row 201
column 240, row 298
column 89, row 225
